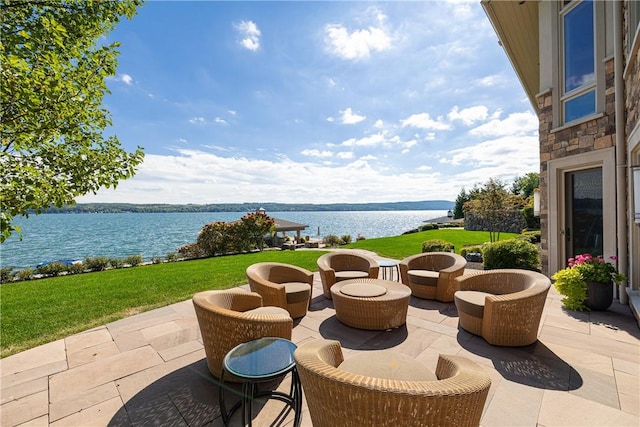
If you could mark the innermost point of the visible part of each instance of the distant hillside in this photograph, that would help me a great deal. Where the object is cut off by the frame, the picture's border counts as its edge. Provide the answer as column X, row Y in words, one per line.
column 250, row 207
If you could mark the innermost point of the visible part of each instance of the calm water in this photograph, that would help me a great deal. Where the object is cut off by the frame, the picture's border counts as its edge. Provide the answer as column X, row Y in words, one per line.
column 60, row 236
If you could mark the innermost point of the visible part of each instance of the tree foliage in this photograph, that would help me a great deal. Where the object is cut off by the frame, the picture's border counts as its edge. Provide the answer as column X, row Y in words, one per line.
column 524, row 185
column 54, row 64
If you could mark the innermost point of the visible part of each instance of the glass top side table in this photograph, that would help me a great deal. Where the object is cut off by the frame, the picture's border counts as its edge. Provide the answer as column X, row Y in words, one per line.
column 391, row 265
column 262, row 360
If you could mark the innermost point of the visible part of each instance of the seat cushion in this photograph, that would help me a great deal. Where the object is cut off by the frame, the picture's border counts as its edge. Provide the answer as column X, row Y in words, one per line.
column 351, row 274
column 297, row 292
column 387, row 365
column 269, row 310
column 363, row 290
column 471, row 302
column 423, row 277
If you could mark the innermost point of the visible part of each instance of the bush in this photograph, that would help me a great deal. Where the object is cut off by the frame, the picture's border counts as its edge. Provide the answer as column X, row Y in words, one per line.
column 116, row 262
column 533, row 236
column 192, row 250
column 346, row 239
column 512, row 253
column 97, row 264
column 427, row 227
column 360, row 237
column 76, row 268
column 477, row 249
column 157, row 260
column 25, row 274
column 172, row 257
column 332, row 240
column 133, row 260
column 52, row 269
column 6, row 274
column 437, row 245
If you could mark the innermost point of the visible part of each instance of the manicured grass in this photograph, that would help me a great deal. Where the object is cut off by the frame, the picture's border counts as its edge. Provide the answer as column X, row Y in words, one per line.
column 399, row 247
column 39, row 311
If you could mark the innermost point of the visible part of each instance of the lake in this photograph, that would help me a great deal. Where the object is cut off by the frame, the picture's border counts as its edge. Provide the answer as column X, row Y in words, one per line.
column 51, row 237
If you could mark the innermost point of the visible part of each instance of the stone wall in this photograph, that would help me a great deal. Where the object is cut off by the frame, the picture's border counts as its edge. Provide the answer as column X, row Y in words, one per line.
column 595, row 134
column 512, row 222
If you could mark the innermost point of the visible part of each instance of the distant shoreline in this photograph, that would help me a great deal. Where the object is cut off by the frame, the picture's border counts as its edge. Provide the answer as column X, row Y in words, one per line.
column 426, row 205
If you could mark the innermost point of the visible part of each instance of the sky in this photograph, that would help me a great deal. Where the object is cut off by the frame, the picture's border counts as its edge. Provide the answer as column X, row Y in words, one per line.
column 315, row 102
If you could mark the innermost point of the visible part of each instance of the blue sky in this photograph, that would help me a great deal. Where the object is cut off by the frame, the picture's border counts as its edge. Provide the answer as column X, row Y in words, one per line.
column 315, row 102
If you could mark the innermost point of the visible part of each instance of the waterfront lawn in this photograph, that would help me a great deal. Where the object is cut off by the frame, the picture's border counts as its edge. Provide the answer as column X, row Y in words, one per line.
column 399, row 247
column 40, row 311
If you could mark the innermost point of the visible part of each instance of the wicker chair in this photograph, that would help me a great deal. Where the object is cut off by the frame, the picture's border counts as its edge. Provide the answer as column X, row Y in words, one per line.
column 454, row 397
column 502, row 306
column 282, row 285
column 231, row 317
column 345, row 265
column 430, row 275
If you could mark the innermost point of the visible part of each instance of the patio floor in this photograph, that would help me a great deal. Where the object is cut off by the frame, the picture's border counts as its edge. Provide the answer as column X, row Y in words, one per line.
column 149, row 369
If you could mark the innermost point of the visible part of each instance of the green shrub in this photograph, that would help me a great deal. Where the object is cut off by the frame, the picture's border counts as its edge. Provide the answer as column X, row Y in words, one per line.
column 25, row 274
column 116, row 263
column 6, row 274
column 76, row 268
column 437, row 245
column 533, row 236
column 360, row 237
column 512, row 253
column 427, row 227
column 332, row 240
column 346, row 239
column 133, row 260
column 51, row 269
column 190, row 251
column 97, row 264
column 157, row 260
column 172, row 257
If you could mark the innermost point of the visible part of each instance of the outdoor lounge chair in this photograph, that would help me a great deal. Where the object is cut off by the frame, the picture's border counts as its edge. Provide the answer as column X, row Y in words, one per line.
column 389, row 389
column 231, row 317
column 344, row 265
column 282, row 285
column 430, row 275
column 502, row 306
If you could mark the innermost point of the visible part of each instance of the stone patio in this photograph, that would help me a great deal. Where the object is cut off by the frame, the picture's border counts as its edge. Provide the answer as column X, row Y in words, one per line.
column 149, row 369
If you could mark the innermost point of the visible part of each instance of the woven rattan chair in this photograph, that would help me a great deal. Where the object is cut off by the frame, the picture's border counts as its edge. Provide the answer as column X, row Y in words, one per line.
column 337, row 397
column 345, row 265
column 430, row 275
column 231, row 317
column 282, row 285
column 502, row 306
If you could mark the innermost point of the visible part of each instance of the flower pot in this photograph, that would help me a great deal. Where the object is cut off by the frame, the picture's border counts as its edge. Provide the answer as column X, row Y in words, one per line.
column 599, row 295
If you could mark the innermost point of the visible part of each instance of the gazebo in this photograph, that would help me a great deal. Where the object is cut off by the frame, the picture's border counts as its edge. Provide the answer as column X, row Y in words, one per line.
column 283, row 226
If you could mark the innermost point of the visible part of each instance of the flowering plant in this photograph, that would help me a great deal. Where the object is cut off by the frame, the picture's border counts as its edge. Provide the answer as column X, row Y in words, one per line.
column 596, row 269
column 572, row 281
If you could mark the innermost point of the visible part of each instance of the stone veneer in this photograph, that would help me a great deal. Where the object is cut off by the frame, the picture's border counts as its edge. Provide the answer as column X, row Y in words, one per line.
column 595, row 134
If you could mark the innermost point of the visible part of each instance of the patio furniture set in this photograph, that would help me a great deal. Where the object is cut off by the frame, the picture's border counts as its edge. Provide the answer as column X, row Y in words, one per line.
column 246, row 336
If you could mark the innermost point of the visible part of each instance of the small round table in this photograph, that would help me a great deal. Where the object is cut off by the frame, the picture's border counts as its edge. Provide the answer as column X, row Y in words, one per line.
column 373, row 304
column 391, row 265
column 262, row 360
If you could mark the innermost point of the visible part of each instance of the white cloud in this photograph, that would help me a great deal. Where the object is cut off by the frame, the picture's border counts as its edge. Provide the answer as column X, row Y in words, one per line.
column 379, row 124
column 424, row 121
column 345, row 155
column 220, row 120
column 515, row 124
column 126, row 79
column 367, row 141
column 357, row 44
column 468, row 116
column 197, row 120
column 489, row 80
column 317, row 153
column 250, row 34
column 513, row 153
column 182, row 140
column 350, row 118
column 331, row 119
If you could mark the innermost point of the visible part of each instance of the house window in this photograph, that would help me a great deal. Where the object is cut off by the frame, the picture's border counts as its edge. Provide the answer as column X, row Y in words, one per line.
column 579, row 69
column 634, row 23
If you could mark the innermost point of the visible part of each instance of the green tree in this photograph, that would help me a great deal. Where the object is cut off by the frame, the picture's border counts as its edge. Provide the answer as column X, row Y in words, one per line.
column 491, row 203
column 524, row 185
column 256, row 226
column 53, row 67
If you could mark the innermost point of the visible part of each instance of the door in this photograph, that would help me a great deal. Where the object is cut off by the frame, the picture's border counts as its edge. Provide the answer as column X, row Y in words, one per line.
column 584, row 216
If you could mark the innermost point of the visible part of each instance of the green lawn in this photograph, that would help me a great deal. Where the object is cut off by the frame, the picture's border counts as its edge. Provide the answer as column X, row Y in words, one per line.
column 39, row 311
column 399, row 247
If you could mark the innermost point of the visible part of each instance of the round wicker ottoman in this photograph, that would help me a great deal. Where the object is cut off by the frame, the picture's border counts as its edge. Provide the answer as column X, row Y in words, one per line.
column 373, row 304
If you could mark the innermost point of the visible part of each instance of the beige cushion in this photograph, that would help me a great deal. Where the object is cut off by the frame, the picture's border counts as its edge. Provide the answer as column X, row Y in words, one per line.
column 269, row 310
column 297, row 292
column 351, row 274
column 363, row 290
column 423, row 277
column 471, row 302
column 387, row 365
